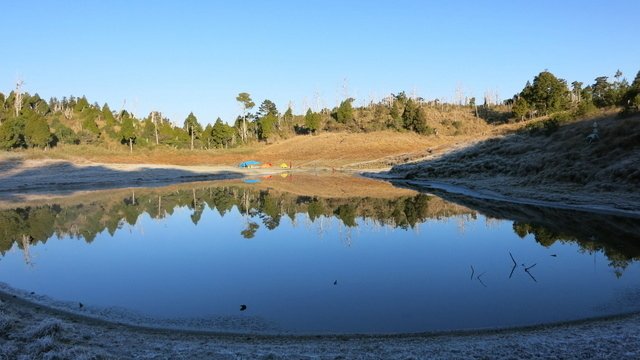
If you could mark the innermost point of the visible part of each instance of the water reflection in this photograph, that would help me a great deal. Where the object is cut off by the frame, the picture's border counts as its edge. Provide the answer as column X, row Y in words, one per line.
column 618, row 237
column 86, row 216
column 315, row 254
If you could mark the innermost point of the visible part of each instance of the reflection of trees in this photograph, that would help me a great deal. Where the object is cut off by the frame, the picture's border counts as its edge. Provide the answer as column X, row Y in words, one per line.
column 267, row 207
column 250, row 231
column 347, row 214
column 618, row 237
column 89, row 218
column 619, row 258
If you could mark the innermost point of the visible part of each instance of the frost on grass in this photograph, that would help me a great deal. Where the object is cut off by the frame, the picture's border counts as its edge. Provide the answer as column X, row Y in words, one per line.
column 6, row 323
column 41, row 346
column 46, row 328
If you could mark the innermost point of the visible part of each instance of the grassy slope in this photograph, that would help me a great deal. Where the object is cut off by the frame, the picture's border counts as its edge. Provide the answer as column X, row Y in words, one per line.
column 564, row 160
column 377, row 149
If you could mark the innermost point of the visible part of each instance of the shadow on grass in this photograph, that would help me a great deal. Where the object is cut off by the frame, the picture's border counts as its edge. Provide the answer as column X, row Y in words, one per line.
column 533, row 157
column 65, row 177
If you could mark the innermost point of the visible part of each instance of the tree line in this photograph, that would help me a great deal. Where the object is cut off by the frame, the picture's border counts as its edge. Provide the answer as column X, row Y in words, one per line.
column 548, row 94
column 28, row 121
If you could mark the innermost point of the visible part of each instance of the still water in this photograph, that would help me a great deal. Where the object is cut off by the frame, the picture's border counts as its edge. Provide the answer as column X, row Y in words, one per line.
column 346, row 259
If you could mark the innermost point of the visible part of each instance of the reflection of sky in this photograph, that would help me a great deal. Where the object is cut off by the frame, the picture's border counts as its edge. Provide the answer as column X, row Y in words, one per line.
column 389, row 280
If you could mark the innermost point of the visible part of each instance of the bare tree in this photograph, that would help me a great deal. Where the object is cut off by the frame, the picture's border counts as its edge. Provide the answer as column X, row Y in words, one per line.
column 460, row 98
column 18, row 102
column 245, row 101
column 156, row 116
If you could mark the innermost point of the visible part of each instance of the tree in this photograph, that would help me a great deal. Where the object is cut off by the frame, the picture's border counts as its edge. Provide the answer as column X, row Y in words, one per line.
column 620, row 88
column 89, row 125
column 631, row 98
column 156, row 117
column 576, row 91
column 38, row 105
column 245, row 101
column 266, row 126
column 520, row 108
column 414, row 118
column 64, row 133
column 267, row 116
column 221, row 134
column 547, row 94
column 12, row 133
column 396, row 116
column 128, row 132
column 602, row 92
column 206, row 135
column 288, row 117
column 267, row 108
column 37, row 132
column 192, row 127
column 472, row 104
column 107, row 115
column 344, row 113
column 312, row 121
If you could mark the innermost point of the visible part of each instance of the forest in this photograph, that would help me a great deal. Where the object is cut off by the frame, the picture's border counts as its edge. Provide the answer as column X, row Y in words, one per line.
column 28, row 121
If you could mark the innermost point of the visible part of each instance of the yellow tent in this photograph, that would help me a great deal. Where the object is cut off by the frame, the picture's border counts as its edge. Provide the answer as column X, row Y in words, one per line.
column 284, row 165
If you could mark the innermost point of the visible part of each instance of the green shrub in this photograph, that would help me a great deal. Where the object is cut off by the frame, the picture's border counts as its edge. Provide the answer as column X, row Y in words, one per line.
column 544, row 127
column 584, row 108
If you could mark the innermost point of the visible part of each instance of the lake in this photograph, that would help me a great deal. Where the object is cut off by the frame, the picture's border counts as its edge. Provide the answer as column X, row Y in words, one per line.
column 312, row 254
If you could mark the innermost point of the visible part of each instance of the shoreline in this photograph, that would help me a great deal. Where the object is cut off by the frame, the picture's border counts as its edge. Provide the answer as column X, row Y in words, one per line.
column 33, row 176
column 599, row 203
column 24, row 300
column 31, row 329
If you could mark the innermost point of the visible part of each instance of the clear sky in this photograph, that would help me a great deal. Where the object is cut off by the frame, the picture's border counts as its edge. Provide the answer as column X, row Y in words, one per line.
column 182, row 56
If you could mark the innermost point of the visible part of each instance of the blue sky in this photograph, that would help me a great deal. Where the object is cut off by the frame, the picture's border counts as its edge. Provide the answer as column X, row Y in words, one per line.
column 182, row 56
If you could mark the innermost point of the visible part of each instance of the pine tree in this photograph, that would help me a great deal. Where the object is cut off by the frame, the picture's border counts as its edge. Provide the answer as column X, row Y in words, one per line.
column 128, row 132
column 37, row 132
column 12, row 133
column 520, row 108
column 266, row 126
column 547, row 94
column 344, row 113
column 312, row 121
column 192, row 127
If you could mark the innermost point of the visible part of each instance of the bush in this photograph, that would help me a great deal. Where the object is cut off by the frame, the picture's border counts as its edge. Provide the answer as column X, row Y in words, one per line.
column 584, row 108
column 544, row 127
column 12, row 133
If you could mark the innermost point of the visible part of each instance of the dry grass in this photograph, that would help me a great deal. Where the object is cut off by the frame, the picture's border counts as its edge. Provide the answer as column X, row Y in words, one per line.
column 332, row 150
column 610, row 164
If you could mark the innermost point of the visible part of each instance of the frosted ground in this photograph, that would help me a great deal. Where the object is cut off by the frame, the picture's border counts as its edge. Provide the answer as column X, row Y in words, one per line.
column 31, row 331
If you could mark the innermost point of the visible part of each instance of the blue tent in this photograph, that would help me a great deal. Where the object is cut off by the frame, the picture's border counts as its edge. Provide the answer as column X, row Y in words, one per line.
column 249, row 163
column 252, row 181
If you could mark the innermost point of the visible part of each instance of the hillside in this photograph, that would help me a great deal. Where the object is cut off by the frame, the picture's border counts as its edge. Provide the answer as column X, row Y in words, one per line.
column 559, row 164
column 330, row 150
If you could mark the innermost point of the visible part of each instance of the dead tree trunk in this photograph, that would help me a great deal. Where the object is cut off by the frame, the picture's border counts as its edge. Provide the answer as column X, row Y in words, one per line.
column 18, row 101
column 155, row 123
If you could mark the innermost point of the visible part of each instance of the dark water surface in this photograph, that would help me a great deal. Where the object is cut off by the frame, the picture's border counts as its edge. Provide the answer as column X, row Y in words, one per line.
column 393, row 262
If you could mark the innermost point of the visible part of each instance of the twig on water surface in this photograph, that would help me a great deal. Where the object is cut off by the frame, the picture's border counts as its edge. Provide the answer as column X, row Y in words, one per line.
column 481, row 282
column 512, row 259
column 527, row 271
column 515, row 264
column 472, row 272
